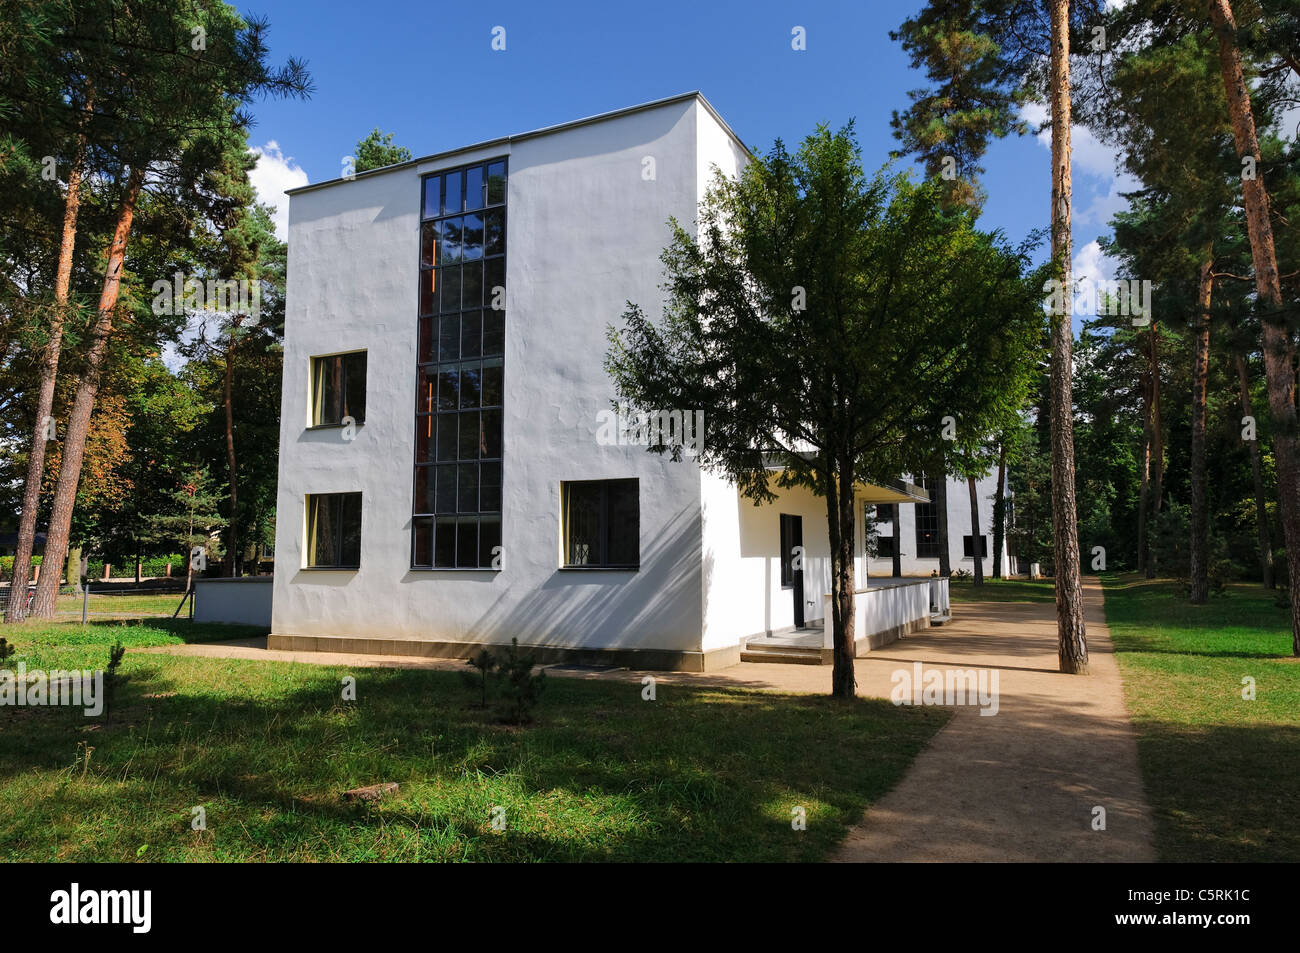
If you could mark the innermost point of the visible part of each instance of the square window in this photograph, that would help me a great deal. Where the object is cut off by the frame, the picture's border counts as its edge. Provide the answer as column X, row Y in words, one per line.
column 601, row 523
column 334, row 531
column 338, row 389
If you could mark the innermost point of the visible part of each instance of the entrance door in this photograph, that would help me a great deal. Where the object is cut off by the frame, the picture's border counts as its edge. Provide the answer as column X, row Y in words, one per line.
column 792, row 560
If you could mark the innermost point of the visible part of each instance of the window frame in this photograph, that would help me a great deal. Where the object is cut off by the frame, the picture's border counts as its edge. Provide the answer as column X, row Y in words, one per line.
column 309, row 539
column 968, row 547
column 604, row 525
column 429, row 363
column 313, row 395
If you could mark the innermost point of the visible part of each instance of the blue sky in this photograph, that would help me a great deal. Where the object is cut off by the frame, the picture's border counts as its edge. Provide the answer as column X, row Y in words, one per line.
column 426, row 72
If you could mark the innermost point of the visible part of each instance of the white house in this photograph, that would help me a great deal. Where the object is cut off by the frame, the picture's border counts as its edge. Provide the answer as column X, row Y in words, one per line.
column 443, row 483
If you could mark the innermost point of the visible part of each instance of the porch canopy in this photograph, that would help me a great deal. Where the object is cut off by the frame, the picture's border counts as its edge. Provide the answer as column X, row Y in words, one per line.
column 892, row 491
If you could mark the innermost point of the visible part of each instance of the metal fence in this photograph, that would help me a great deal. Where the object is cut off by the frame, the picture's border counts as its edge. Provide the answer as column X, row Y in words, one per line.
column 110, row 601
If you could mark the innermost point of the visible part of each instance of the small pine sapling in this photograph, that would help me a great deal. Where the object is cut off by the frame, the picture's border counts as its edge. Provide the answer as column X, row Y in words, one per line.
column 483, row 663
column 522, row 687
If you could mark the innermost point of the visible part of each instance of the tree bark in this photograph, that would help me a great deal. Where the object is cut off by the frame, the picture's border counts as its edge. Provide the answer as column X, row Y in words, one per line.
column 1279, row 350
column 1157, row 425
column 233, row 541
column 839, row 511
column 976, row 537
column 1000, row 511
column 1144, row 484
column 45, row 394
column 1072, row 644
column 74, row 447
column 1200, row 544
column 1262, row 528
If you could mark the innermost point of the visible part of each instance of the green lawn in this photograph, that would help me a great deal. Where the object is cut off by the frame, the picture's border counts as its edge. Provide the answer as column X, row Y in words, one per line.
column 266, row 749
column 1001, row 590
column 1222, row 773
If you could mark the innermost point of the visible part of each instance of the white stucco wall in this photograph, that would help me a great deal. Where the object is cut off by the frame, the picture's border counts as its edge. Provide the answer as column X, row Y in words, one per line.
column 584, row 234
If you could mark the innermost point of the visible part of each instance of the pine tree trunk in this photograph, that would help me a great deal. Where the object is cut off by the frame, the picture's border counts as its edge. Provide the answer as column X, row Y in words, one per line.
column 74, row 447
column 1200, row 544
column 839, row 511
column 976, row 537
column 1072, row 643
column 73, row 566
column 1263, row 532
column 1000, row 511
column 1279, row 350
column 233, row 541
column 1157, row 424
column 1144, row 484
column 17, row 608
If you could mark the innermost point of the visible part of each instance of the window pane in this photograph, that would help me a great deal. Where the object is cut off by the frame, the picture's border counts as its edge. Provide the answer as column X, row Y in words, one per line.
column 424, row 439
column 428, row 291
column 446, row 498
column 491, row 433
column 450, row 297
column 491, row 383
column 452, row 201
column 449, row 337
column 444, row 542
column 432, row 196
column 428, row 340
column 471, row 331
column 469, row 385
column 447, row 437
column 322, row 532
column 494, row 278
column 582, row 523
column 489, row 487
column 354, row 387
column 424, row 489
column 469, row 435
column 467, row 541
column 426, row 394
column 428, row 244
column 489, row 537
column 448, row 388
column 471, row 285
column 494, row 332
column 471, row 246
column 467, row 488
column 496, row 183
column 350, row 545
column 494, row 232
column 452, row 234
column 474, row 188
column 423, row 555
column 624, row 547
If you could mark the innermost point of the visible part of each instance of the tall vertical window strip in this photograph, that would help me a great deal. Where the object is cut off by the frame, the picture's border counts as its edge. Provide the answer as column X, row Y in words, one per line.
column 460, row 383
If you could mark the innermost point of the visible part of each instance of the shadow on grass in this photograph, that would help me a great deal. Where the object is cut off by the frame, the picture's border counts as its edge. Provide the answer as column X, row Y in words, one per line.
column 698, row 774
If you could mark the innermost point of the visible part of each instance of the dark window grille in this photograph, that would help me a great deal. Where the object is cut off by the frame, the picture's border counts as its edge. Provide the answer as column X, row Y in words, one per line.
column 601, row 524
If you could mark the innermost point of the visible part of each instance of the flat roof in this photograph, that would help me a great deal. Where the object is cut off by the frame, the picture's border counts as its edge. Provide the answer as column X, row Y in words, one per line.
column 544, row 131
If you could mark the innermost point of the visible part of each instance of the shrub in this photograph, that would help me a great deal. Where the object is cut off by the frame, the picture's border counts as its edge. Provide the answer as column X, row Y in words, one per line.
column 483, row 663
column 522, row 689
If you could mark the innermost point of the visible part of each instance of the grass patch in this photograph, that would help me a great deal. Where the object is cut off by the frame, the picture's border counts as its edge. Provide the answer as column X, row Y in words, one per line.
column 1001, row 590
column 266, row 748
column 1222, row 773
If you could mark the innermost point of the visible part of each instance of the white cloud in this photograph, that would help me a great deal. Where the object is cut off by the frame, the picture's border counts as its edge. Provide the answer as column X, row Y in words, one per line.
column 274, row 173
column 1092, row 264
column 1087, row 154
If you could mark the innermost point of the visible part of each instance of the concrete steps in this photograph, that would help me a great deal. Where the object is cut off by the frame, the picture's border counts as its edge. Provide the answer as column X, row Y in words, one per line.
column 781, row 654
